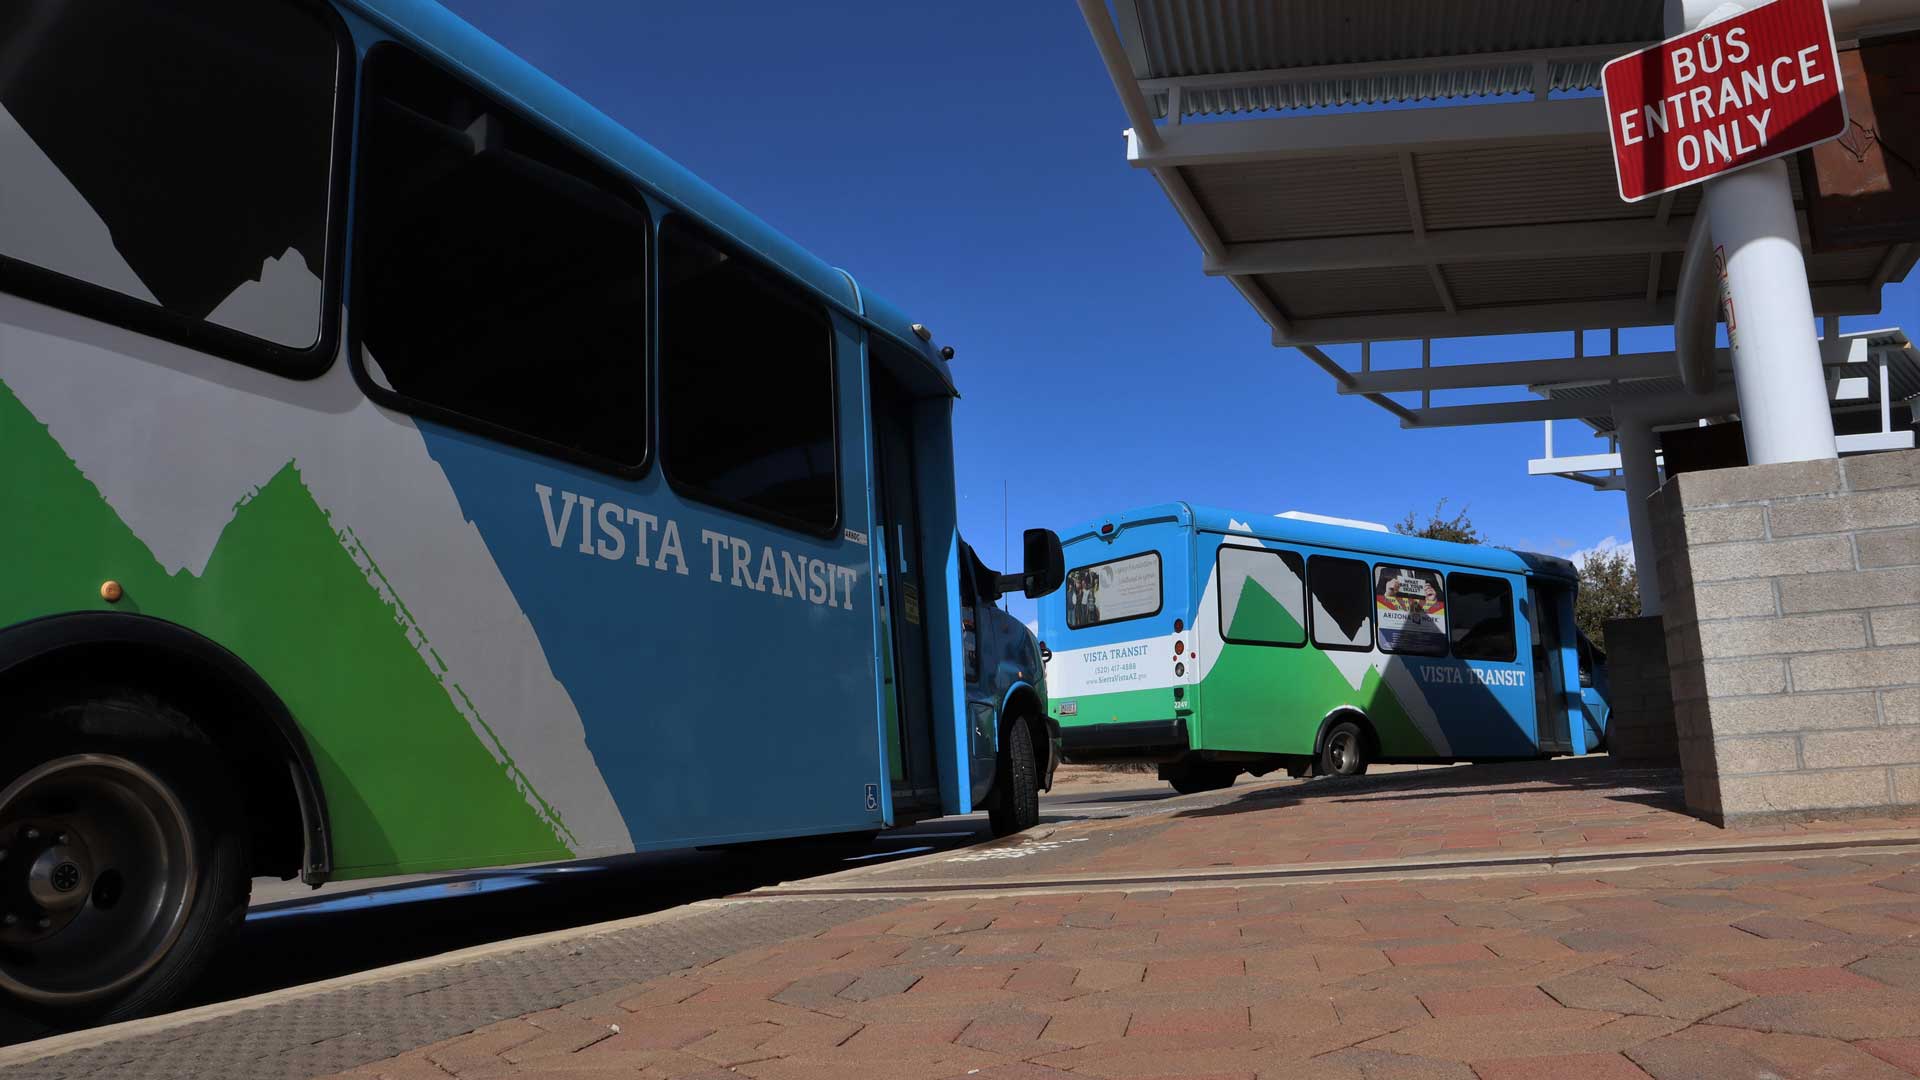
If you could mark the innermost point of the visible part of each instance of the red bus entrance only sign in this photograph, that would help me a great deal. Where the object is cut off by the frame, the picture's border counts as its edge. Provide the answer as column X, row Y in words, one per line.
column 1744, row 90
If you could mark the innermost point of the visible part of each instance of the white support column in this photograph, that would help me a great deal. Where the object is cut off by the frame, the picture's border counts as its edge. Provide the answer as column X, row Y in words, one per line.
column 1776, row 351
column 1642, row 479
column 1886, row 399
column 1769, row 305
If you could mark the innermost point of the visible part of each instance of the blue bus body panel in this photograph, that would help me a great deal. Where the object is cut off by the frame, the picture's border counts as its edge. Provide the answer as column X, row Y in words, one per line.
column 662, row 658
column 716, row 708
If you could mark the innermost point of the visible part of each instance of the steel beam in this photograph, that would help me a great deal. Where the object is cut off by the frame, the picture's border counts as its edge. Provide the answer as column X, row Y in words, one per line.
column 1554, row 466
column 1628, row 237
column 1235, row 80
column 1461, row 127
column 1510, row 412
column 1113, row 55
column 1542, row 374
column 1512, row 373
column 1533, row 318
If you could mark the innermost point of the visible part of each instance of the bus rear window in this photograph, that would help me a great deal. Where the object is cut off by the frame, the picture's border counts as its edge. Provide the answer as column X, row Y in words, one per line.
column 502, row 278
column 1127, row 588
column 177, row 156
column 1481, row 609
column 1342, row 603
column 746, row 386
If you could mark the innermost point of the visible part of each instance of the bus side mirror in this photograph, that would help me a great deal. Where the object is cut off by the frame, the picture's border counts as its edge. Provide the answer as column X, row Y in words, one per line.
column 1045, row 566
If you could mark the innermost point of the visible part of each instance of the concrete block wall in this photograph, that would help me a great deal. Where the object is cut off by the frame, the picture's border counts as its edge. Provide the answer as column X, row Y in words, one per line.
column 1640, row 729
column 1792, row 624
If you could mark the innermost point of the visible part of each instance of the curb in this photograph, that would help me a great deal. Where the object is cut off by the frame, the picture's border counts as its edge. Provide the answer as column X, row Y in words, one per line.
column 1547, row 863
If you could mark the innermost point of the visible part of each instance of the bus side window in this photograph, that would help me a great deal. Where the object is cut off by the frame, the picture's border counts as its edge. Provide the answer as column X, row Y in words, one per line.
column 1342, row 603
column 169, row 167
column 502, row 277
column 1262, row 596
column 1586, row 662
column 1481, row 609
column 746, row 386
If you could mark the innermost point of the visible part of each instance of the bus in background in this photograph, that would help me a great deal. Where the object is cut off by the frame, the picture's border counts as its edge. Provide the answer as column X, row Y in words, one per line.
column 1216, row 643
column 413, row 470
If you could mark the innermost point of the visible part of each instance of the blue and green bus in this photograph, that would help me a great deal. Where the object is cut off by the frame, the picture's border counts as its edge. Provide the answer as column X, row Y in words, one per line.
column 1216, row 643
column 410, row 469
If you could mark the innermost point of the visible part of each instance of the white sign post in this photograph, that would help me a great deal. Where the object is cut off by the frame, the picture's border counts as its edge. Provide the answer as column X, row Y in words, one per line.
column 1776, row 351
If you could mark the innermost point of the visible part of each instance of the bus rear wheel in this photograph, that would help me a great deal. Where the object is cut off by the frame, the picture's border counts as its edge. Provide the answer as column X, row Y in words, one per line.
column 1015, row 802
column 119, row 872
column 1344, row 751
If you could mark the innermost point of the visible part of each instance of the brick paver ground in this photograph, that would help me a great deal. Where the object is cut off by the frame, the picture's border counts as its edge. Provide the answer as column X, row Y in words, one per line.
column 1770, row 966
column 1808, row 968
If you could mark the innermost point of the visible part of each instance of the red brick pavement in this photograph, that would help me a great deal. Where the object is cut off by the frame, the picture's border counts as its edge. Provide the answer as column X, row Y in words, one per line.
column 1765, row 968
column 1776, row 966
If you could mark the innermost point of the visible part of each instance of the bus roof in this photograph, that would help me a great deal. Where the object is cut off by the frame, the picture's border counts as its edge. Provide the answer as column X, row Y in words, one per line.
column 1322, row 534
column 457, row 44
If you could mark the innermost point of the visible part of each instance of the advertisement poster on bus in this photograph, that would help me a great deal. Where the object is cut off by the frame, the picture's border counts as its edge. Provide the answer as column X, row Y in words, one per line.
column 1121, row 589
column 1410, row 608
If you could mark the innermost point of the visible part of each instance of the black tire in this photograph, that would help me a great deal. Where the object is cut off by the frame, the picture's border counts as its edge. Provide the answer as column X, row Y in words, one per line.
column 133, row 844
column 1343, row 752
column 1193, row 777
column 1015, row 803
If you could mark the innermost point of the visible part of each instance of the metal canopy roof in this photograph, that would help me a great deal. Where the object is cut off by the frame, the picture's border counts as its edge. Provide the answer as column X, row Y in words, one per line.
column 1392, row 169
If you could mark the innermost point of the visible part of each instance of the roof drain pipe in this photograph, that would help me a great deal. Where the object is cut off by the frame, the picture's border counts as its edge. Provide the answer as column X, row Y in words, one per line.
column 1696, row 309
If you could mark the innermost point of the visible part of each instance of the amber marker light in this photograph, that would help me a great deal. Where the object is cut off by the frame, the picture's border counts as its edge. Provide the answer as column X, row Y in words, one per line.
column 111, row 592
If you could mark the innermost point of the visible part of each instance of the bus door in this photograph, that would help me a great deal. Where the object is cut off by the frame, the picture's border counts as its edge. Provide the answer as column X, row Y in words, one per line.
column 902, row 584
column 1549, row 676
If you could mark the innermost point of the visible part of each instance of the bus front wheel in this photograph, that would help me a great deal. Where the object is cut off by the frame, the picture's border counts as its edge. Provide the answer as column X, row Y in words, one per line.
column 120, row 868
column 1344, row 752
column 1015, row 802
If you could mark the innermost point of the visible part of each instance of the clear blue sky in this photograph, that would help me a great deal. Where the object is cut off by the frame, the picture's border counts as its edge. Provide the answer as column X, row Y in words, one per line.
column 966, row 162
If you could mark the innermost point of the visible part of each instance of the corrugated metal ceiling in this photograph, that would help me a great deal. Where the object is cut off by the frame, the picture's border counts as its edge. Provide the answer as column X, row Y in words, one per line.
column 1352, row 196
column 1169, row 38
column 1376, row 290
column 1539, row 184
column 1540, row 281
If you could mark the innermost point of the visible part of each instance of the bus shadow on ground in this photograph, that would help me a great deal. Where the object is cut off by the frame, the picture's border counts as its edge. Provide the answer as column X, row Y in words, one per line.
column 1656, row 788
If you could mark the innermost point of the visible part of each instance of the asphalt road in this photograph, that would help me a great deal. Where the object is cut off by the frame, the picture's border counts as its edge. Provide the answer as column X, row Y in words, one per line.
column 295, row 935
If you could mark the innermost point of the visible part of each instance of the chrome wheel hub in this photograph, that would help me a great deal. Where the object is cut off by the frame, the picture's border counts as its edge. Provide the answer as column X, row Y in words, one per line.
column 96, row 878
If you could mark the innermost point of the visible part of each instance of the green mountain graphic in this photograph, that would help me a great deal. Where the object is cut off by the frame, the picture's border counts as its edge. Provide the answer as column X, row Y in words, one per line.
column 1273, row 700
column 1260, row 617
column 409, row 785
